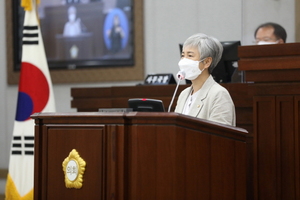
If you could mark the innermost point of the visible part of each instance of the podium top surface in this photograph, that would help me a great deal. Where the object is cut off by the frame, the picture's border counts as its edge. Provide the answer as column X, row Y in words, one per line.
column 142, row 119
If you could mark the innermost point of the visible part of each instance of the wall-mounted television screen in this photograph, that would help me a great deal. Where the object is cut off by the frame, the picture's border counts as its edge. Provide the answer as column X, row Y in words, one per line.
column 82, row 33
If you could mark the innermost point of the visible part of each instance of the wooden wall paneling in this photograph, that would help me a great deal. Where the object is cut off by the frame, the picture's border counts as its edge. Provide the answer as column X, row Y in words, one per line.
column 270, row 63
column 273, row 70
column 240, row 186
column 264, row 147
column 266, row 51
column 140, row 155
column 261, row 76
column 266, row 63
column 274, row 89
column 244, row 118
column 185, row 155
column 44, row 155
column 243, row 104
column 285, row 147
column 58, row 150
column 187, row 151
column 114, row 168
column 224, row 175
column 297, row 21
column 39, row 156
column 199, row 150
column 148, row 174
column 297, row 144
column 145, row 155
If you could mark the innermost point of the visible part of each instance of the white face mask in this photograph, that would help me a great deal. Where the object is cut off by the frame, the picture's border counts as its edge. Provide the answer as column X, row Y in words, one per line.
column 72, row 17
column 190, row 68
column 264, row 42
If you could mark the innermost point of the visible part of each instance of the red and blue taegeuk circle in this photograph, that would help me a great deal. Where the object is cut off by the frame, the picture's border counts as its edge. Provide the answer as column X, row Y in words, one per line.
column 33, row 93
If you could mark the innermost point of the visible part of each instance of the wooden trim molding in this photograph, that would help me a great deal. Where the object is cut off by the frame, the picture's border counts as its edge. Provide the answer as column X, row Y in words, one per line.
column 297, row 21
column 3, row 173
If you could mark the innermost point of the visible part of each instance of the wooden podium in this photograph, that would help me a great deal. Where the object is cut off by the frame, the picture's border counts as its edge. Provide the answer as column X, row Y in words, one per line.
column 140, row 155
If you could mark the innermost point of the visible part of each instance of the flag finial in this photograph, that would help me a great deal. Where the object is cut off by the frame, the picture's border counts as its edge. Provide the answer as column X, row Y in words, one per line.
column 27, row 4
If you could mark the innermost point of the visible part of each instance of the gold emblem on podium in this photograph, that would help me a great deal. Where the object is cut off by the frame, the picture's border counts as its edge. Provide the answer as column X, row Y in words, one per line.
column 73, row 167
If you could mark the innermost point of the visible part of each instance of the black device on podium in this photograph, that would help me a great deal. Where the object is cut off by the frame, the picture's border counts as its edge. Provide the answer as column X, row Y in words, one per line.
column 146, row 105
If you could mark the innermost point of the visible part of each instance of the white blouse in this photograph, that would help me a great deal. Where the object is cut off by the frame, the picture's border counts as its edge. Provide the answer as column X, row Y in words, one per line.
column 190, row 100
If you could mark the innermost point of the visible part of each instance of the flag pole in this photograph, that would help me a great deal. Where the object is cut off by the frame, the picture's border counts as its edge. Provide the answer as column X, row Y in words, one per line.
column 35, row 95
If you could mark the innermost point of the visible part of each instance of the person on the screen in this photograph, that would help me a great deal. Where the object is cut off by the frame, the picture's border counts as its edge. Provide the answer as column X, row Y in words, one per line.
column 205, row 98
column 116, row 35
column 73, row 26
column 270, row 33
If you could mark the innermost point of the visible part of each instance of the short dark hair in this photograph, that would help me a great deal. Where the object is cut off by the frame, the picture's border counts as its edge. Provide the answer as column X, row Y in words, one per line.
column 279, row 31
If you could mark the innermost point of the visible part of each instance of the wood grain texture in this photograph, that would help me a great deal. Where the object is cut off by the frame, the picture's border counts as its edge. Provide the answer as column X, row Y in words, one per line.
column 143, row 156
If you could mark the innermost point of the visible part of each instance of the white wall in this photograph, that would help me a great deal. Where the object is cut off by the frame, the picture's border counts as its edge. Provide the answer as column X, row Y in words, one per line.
column 4, row 120
column 256, row 12
column 166, row 24
column 169, row 22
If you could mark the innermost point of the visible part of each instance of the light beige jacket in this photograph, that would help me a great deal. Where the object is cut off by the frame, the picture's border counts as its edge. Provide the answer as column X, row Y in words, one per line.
column 213, row 103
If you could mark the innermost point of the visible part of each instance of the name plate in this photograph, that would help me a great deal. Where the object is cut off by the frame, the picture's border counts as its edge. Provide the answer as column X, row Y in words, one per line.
column 160, row 79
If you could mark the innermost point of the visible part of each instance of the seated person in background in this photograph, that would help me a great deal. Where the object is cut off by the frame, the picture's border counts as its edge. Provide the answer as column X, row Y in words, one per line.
column 205, row 98
column 270, row 33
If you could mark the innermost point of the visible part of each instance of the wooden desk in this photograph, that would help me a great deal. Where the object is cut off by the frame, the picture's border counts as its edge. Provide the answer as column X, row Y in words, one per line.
column 91, row 99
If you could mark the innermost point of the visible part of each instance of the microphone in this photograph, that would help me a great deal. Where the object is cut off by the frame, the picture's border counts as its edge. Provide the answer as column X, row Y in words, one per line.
column 180, row 76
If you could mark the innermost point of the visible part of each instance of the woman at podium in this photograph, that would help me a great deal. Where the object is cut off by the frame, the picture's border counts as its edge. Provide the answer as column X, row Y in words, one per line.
column 205, row 98
column 73, row 27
